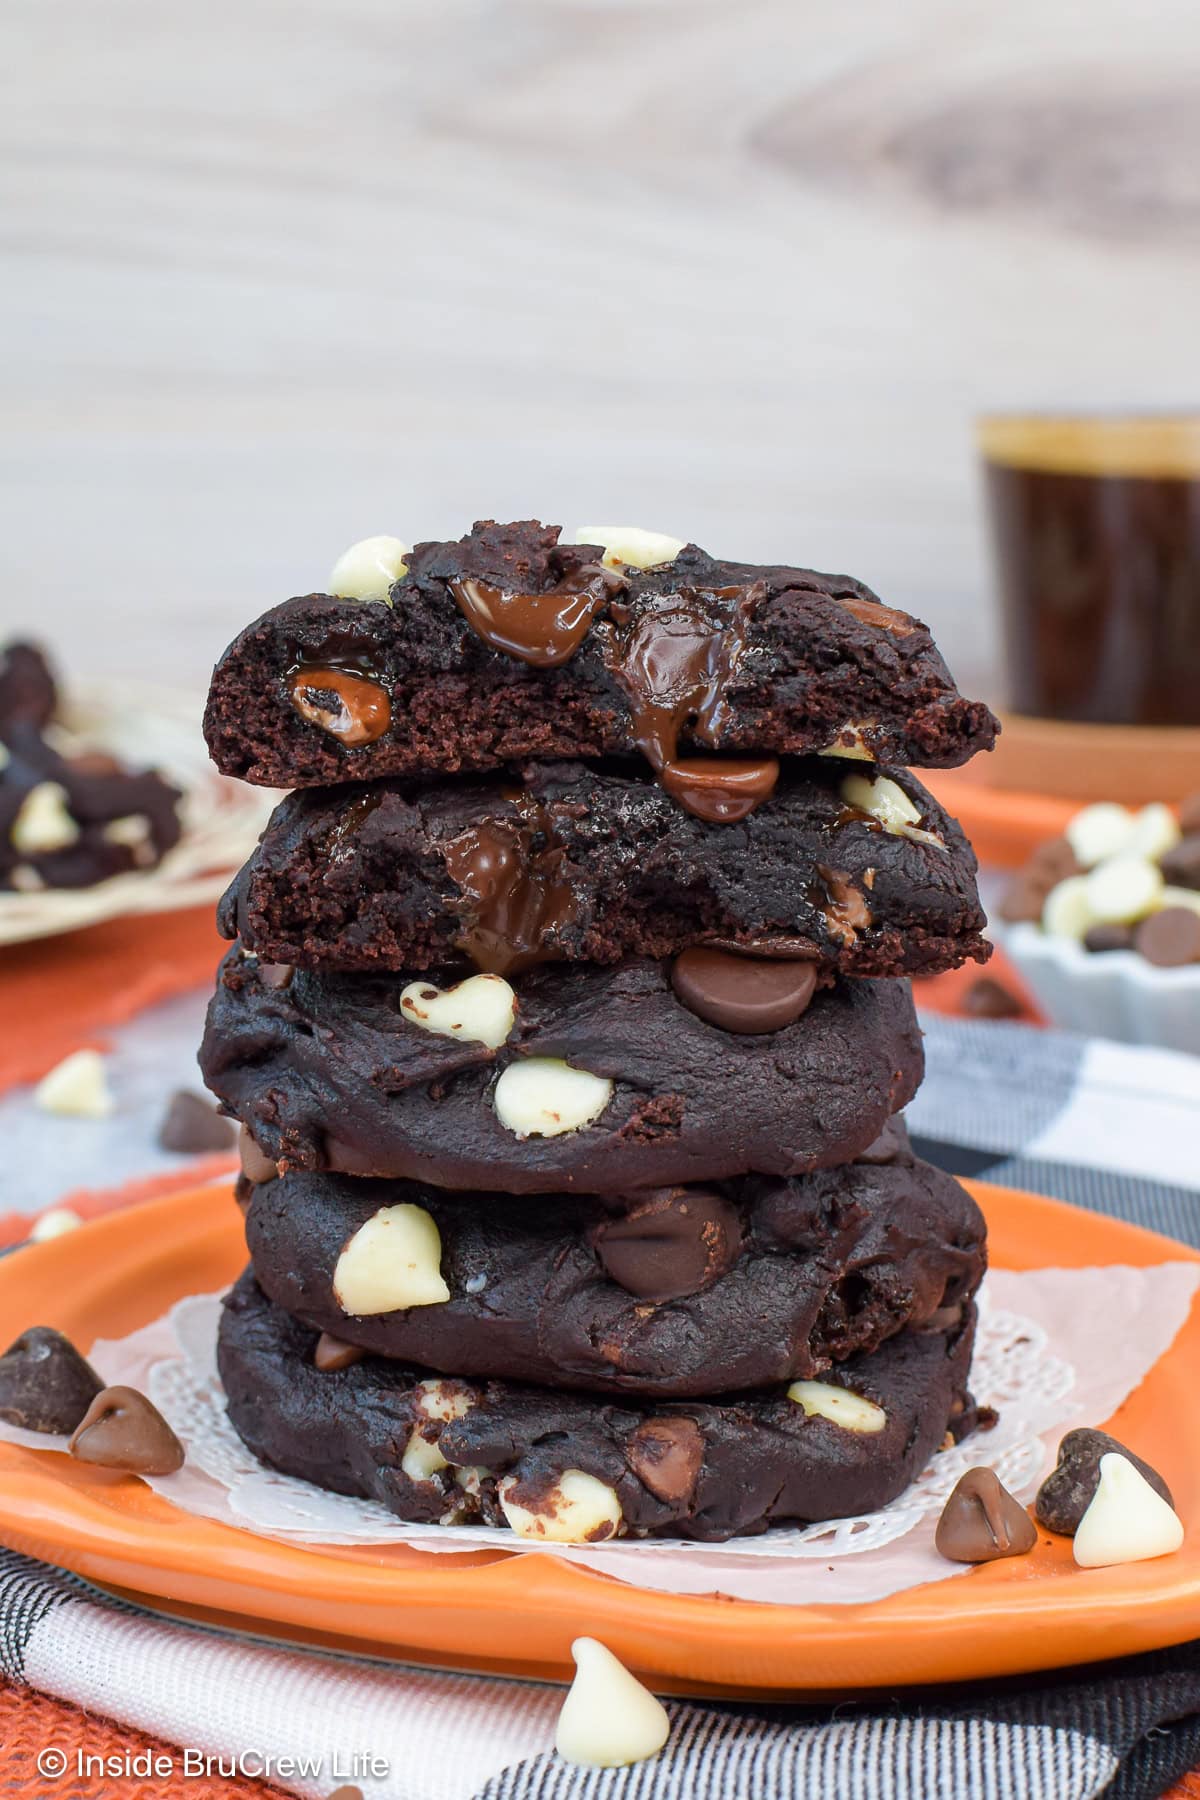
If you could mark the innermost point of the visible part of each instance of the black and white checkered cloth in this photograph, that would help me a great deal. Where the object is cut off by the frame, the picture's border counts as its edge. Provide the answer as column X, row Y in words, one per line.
column 1102, row 1125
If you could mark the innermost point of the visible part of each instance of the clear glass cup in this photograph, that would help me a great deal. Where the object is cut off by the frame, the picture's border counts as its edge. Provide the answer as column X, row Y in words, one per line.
column 1096, row 526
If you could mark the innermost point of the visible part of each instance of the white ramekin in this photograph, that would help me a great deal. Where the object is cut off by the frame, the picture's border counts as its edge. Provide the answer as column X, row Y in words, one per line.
column 1111, row 993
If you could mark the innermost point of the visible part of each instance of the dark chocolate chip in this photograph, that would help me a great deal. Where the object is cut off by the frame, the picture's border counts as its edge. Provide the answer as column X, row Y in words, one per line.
column 192, row 1125
column 671, row 1244
column 746, row 995
column 982, row 1522
column 333, row 1353
column 1099, row 939
column 665, row 1455
column 890, row 1146
column 1181, row 864
column 1067, row 1491
column 256, row 1165
column 1169, row 939
column 988, row 998
column 123, row 1430
column 45, row 1385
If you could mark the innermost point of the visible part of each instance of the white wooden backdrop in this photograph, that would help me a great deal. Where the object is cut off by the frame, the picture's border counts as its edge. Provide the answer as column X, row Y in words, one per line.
column 279, row 273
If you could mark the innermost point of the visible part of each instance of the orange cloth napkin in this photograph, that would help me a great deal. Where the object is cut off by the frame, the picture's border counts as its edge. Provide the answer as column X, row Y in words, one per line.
column 64, row 992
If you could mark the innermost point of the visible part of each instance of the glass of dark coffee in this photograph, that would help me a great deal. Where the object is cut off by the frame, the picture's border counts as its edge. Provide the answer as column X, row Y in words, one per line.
column 1096, row 523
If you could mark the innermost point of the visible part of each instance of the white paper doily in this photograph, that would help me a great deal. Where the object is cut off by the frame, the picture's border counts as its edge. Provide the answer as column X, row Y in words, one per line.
column 148, row 728
column 1015, row 1370
column 1055, row 1347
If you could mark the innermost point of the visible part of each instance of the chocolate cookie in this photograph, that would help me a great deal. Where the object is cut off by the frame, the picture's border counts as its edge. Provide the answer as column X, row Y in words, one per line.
column 690, row 1291
column 562, row 862
column 330, row 1072
column 573, row 1466
column 508, row 645
column 69, row 820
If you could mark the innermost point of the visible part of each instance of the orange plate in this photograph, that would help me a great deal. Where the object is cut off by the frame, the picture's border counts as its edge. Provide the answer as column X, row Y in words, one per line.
column 492, row 1610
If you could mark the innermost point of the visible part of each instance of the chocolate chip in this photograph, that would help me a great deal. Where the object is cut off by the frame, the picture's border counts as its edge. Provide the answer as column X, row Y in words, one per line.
column 672, row 1244
column 192, row 1125
column 982, row 1522
column 275, row 975
column 665, row 1455
column 746, row 995
column 1181, row 864
column 1054, row 861
column 722, row 790
column 45, row 1385
column 891, row 1144
column 1050, row 863
column 1023, row 903
column 1099, row 939
column 1169, row 939
column 123, row 1430
column 256, row 1165
column 988, row 998
column 348, row 706
column 1067, row 1491
column 333, row 1353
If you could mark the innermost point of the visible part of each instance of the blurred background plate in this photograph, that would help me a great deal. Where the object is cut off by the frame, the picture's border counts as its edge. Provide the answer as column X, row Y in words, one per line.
column 147, row 726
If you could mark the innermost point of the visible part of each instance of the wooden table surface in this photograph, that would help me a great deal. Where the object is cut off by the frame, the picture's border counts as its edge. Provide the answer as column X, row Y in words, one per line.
column 277, row 275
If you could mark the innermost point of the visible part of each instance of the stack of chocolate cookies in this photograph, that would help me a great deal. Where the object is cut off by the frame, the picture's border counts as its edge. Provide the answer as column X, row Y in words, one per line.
column 568, row 1025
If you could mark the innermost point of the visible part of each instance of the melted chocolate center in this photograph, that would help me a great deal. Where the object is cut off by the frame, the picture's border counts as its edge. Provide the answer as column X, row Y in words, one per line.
column 350, row 707
column 515, row 896
column 543, row 629
column 674, row 662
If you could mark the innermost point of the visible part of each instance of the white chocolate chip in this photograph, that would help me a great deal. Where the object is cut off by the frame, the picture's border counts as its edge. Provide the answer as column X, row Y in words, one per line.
column 1177, row 896
column 849, row 744
column 43, row 823
column 1099, row 832
column 55, row 1223
column 441, row 1400
column 421, row 1460
column 631, row 546
column 887, row 803
column 1066, row 912
column 542, row 1096
column 608, row 1719
column 392, row 1262
column 1126, row 1521
column 25, row 879
column 578, row 1510
column 825, row 1401
column 1124, row 889
column 77, row 1088
column 881, row 797
column 471, row 1479
column 367, row 570
column 132, row 830
column 1155, row 831
column 480, row 1010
